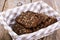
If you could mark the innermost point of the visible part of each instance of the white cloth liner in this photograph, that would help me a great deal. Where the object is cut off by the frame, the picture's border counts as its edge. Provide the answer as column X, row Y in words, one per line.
column 38, row 7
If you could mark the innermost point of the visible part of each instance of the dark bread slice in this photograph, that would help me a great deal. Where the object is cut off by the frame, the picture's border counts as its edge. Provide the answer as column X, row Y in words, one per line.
column 40, row 21
column 45, row 23
column 19, row 29
column 29, row 19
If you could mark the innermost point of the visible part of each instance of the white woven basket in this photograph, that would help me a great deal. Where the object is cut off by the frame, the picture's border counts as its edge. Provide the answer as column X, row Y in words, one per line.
column 38, row 7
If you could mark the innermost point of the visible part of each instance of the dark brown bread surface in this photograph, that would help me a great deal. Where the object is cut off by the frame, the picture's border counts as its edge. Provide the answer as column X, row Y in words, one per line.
column 45, row 23
column 24, row 24
column 19, row 29
column 29, row 19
